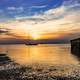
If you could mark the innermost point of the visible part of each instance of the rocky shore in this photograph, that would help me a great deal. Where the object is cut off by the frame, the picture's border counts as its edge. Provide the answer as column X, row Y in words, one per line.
column 56, row 72
column 14, row 71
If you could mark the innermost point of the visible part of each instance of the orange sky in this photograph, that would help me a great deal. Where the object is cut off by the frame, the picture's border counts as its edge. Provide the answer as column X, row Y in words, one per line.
column 49, row 29
column 52, row 24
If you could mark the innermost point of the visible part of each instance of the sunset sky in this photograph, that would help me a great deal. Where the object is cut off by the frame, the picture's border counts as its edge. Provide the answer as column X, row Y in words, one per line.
column 40, row 19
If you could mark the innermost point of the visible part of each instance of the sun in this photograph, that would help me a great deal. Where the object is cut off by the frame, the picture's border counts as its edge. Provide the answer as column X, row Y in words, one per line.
column 35, row 36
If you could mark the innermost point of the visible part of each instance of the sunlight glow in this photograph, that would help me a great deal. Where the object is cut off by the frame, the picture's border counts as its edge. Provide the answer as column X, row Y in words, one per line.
column 35, row 36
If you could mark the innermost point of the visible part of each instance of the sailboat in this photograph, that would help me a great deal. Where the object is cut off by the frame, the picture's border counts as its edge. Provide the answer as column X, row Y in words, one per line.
column 30, row 42
column 5, row 31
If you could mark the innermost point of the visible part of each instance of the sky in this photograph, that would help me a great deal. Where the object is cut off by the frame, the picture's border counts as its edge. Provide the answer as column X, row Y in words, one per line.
column 41, row 19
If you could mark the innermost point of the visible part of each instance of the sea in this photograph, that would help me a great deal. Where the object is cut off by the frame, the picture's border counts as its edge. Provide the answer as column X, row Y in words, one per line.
column 49, row 54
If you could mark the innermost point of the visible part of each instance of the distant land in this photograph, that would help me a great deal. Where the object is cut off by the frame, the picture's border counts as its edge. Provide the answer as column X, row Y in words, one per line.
column 45, row 41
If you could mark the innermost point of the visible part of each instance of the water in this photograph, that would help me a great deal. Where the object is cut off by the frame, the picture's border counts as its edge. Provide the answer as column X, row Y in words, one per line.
column 40, row 54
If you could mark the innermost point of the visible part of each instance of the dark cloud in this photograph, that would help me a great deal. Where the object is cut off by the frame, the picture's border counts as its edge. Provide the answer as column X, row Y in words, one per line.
column 3, row 30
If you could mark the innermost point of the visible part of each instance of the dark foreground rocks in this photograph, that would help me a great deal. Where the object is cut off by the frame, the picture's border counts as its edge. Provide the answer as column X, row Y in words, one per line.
column 10, row 70
column 68, row 72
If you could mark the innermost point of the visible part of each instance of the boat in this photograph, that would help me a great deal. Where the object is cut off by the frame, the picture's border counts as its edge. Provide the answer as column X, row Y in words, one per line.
column 31, row 44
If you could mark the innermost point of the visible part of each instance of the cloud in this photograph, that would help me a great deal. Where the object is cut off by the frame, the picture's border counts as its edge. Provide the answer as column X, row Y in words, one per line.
column 52, row 14
column 3, row 30
column 63, row 21
column 11, row 8
column 9, row 13
column 15, row 9
column 67, row 10
column 69, row 3
column 1, row 11
column 43, row 6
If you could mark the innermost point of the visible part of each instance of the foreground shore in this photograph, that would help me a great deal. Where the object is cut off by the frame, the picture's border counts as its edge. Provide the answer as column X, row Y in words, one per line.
column 36, row 72
column 9, row 70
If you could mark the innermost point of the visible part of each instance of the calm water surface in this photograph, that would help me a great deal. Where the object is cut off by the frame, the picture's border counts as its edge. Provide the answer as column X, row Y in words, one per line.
column 40, row 54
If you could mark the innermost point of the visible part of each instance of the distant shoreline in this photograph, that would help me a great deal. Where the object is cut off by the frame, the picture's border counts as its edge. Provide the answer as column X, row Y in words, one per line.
column 26, row 44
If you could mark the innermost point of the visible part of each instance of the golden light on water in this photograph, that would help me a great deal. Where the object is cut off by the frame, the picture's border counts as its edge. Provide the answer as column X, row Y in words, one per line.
column 41, row 54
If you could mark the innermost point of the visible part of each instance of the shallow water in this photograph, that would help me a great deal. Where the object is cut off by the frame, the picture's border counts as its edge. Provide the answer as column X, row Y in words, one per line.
column 40, row 54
